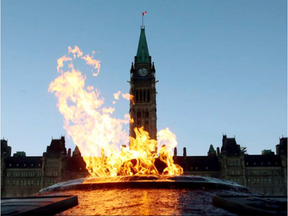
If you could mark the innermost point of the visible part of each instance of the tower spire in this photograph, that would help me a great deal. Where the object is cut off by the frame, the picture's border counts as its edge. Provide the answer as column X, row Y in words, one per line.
column 142, row 51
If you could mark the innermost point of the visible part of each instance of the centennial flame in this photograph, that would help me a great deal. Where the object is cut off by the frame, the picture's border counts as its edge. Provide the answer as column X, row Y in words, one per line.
column 105, row 145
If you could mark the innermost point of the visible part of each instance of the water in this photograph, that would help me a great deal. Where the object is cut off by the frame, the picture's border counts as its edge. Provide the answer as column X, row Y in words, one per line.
column 144, row 201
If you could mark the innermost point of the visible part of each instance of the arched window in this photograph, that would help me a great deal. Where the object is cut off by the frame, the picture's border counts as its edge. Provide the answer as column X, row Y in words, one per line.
column 144, row 95
column 148, row 96
column 146, row 114
column 137, row 95
column 141, row 95
column 138, row 114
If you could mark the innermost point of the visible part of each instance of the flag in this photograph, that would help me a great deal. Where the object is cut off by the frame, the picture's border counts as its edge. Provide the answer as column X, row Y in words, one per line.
column 143, row 13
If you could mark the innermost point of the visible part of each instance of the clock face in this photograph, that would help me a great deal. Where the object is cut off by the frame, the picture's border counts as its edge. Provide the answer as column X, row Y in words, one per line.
column 142, row 72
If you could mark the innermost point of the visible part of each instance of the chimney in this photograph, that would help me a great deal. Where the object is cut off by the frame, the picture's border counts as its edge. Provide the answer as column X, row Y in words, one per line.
column 175, row 151
column 218, row 151
column 184, row 153
column 69, row 152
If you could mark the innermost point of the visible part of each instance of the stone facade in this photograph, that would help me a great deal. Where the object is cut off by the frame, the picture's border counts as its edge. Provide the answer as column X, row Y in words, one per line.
column 143, row 88
column 22, row 175
column 264, row 174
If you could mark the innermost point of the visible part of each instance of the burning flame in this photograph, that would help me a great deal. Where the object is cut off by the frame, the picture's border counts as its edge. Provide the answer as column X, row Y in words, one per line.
column 101, row 137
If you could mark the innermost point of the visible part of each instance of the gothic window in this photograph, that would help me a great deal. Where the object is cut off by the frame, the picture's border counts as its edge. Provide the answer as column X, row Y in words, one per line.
column 139, row 122
column 141, row 95
column 137, row 95
column 148, row 96
column 139, row 114
column 146, row 114
column 144, row 95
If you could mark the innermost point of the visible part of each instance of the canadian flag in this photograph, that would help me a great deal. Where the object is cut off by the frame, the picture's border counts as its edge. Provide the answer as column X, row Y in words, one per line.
column 143, row 13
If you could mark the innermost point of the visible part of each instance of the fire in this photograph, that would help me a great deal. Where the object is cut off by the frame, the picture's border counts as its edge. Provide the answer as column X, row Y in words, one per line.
column 100, row 137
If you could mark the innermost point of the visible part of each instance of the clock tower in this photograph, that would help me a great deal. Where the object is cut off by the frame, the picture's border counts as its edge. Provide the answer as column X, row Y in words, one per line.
column 142, row 87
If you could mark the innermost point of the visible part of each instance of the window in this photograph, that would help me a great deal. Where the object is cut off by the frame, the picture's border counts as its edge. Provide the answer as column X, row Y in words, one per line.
column 17, row 165
column 146, row 122
column 144, row 95
column 139, row 114
column 25, row 165
column 140, row 95
column 39, row 165
column 196, row 168
column 146, row 114
column 206, row 168
column 254, row 163
column 191, row 168
column 10, row 165
column 32, row 165
column 148, row 96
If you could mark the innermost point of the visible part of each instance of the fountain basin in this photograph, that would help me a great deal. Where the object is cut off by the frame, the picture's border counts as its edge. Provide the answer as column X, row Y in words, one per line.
column 146, row 195
column 146, row 182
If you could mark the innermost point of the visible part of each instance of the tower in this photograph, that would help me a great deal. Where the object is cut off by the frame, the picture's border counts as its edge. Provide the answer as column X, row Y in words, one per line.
column 142, row 87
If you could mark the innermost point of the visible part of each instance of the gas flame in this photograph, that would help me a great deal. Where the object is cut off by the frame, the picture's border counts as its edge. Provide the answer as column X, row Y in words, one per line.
column 100, row 137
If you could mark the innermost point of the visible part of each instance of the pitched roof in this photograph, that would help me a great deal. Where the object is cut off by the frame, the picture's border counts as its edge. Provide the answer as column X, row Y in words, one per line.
column 229, row 146
column 23, row 162
column 142, row 52
column 203, row 163
column 211, row 150
column 262, row 160
column 56, row 147
column 76, row 164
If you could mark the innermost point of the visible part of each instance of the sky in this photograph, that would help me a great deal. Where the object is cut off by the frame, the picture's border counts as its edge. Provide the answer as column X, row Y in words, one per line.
column 221, row 66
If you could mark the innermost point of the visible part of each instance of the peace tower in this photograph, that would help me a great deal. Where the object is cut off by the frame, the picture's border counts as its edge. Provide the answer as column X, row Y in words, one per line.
column 142, row 87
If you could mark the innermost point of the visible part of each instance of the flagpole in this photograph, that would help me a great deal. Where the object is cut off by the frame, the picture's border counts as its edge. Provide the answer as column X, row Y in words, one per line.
column 142, row 20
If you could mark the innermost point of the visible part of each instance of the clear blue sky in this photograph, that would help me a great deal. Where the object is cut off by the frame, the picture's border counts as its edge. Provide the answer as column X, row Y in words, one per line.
column 221, row 65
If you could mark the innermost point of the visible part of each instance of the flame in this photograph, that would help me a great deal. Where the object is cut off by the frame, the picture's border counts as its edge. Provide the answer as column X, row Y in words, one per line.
column 116, row 95
column 100, row 137
column 128, row 97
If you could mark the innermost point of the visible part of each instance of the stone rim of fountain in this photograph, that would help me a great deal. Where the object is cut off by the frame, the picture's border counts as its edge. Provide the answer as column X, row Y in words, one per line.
column 146, row 182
